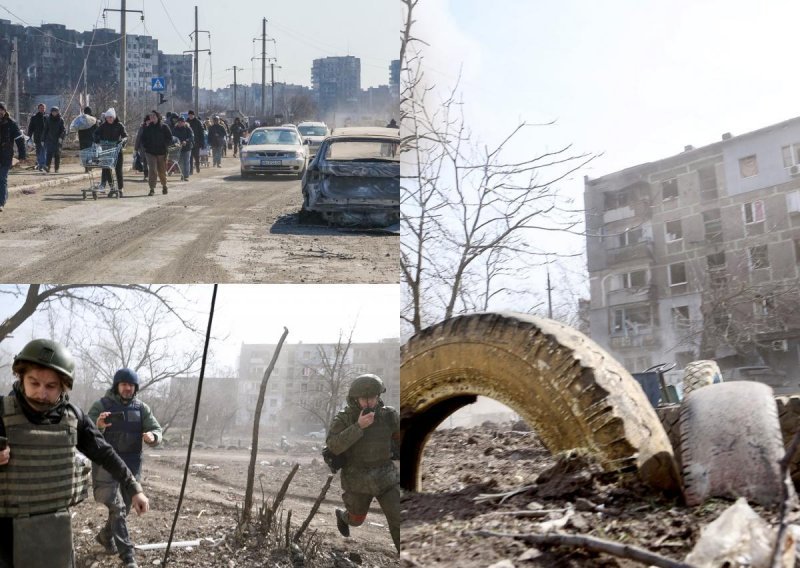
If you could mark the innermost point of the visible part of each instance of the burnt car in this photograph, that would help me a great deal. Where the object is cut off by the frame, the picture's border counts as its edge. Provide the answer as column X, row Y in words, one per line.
column 354, row 179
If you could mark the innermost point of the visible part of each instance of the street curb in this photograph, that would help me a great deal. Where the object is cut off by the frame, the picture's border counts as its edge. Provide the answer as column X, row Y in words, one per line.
column 47, row 183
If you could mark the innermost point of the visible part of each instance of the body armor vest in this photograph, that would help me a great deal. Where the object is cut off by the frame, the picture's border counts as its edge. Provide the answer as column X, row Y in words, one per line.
column 45, row 473
column 125, row 433
column 375, row 446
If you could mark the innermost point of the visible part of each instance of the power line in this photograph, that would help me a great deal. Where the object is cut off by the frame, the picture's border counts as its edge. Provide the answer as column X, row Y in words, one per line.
column 48, row 34
column 173, row 24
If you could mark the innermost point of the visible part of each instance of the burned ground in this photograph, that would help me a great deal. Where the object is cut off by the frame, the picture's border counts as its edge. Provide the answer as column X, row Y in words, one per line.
column 568, row 489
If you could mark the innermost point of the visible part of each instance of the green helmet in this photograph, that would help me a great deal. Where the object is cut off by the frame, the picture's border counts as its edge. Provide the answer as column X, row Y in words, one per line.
column 366, row 386
column 50, row 354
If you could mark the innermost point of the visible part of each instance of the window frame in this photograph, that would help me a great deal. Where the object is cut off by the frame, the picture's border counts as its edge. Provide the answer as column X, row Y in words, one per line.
column 685, row 274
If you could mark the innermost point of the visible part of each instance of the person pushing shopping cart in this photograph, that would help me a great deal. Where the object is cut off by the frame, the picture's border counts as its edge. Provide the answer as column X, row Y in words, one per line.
column 111, row 135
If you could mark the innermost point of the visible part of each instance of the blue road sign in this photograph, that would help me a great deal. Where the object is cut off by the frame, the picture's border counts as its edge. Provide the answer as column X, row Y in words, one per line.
column 158, row 84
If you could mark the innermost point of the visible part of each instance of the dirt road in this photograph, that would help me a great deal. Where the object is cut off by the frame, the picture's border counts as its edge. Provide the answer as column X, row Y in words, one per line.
column 214, row 489
column 214, row 228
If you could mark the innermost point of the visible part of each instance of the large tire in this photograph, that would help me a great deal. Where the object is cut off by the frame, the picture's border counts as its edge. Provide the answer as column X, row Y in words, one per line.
column 699, row 374
column 670, row 417
column 731, row 444
column 789, row 415
column 559, row 381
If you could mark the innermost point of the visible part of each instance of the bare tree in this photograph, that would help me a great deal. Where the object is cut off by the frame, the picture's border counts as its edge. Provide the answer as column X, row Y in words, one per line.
column 468, row 212
column 330, row 382
column 75, row 298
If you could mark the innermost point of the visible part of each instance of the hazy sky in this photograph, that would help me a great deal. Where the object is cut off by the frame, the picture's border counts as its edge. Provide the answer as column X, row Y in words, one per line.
column 258, row 313
column 303, row 30
column 633, row 81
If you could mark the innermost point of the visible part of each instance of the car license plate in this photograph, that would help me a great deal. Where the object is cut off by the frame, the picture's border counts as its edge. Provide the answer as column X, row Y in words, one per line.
column 270, row 162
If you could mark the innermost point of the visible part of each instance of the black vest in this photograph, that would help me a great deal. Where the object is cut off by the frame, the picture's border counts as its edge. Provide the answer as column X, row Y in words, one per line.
column 125, row 434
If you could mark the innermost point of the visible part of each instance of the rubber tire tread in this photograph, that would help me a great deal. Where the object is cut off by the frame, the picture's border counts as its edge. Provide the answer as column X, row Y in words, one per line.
column 571, row 392
column 699, row 374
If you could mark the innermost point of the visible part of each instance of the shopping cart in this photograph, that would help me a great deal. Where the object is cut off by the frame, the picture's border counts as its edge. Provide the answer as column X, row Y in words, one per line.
column 103, row 155
column 173, row 157
column 204, row 157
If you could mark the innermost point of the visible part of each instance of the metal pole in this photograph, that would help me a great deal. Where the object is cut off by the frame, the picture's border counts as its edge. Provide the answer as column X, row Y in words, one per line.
column 196, row 68
column 263, row 62
column 549, row 296
column 16, row 82
column 235, row 106
column 123, row 75
column 272, row 87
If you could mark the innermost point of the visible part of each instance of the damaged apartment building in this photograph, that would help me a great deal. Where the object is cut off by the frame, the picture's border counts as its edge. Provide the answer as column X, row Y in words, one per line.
column 697, row 256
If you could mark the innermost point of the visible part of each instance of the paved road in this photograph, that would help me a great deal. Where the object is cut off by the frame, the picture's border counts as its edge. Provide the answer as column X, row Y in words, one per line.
column 214, row 228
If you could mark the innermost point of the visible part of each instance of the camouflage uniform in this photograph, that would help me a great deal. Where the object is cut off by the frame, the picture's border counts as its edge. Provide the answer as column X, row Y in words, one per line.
column 368, row 472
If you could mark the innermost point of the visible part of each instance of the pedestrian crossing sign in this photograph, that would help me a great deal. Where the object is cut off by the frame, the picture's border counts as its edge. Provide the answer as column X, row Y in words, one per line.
column 157, row 84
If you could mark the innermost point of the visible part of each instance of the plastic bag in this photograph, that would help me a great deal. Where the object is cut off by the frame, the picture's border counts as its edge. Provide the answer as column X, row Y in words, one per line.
column 83, row 122
column 739, row 537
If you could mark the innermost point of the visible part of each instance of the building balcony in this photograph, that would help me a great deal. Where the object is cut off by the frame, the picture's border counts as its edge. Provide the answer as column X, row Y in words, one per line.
column 641, row 250
column 648, row 340
column 630, row 295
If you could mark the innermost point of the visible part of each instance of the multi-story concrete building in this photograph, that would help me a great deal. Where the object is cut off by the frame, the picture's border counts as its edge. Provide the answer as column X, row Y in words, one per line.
column 336, row 82
column 698, row 255
column 394, row 78
column 142, row 63
column 177, row 71
column 299, row 377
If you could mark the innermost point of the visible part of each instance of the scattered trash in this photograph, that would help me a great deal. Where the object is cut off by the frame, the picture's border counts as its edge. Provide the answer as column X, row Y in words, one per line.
column 739, row 537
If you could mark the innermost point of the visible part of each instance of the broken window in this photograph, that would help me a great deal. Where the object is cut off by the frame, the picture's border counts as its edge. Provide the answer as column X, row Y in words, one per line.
column 721, row 321
column 630, row 237
column 753, row 211
column 680, row 317
column 669, row 189
column 791, row 155
column 748, row 166
column 632, row 320
column 764, row 305
column 708, row 182
column 716, row 261
column 617, row 199
column 712, row 226
column 677, row 274
column 759, row 257
column 635, row 279
column 674, row 230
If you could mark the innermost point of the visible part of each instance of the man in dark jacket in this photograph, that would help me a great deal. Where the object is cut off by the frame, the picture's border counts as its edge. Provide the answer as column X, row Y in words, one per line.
column 216, row 139
column 183, row 132
column 53, row 138
column 10, row 136
column 156, row 138
column 111, row 131
column 199, row 138
column 43, row 431
column 127, row 424
column 237, row 131
column 364, row 433
column 35, row 130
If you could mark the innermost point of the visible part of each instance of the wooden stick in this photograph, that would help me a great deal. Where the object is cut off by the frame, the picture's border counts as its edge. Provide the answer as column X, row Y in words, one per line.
column 785, row 502
column 527, row 513
column 314, row 509
column 593, row 543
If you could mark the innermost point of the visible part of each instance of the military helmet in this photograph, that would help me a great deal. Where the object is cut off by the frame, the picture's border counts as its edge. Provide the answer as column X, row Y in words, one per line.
column 126, row 375
column 50, row 354
column 366, row 386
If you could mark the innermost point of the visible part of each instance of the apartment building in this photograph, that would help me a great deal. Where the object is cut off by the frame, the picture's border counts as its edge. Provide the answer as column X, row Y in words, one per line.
column 336, row 82
column 698, row 255
column 299, row 378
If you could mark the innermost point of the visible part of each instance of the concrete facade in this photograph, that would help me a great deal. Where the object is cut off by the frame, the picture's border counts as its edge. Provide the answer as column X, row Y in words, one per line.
column 697, row 255
column 297, row 376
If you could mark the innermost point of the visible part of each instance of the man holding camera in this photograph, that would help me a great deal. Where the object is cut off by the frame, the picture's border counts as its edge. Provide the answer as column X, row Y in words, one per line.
column 126, row 422
column 363, row 433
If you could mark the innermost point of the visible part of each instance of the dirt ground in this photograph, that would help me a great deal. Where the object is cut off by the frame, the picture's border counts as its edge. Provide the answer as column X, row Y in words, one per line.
column 215, row 228
column 463, row 463
column 215, row 487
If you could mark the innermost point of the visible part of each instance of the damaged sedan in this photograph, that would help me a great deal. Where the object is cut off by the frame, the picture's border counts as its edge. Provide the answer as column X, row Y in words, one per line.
column 354, row 179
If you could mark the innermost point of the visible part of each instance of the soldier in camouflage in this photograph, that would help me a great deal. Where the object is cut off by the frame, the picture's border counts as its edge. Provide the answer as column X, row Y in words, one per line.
column 41, row 472
column 364, row 432
column 127, row 424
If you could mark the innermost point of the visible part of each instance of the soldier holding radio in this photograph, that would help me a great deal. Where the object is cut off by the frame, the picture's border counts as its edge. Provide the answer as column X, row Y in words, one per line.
column 126, row 423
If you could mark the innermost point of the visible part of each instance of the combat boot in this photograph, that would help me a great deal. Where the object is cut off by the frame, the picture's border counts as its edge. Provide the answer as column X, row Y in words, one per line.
column 341, row 522
column 106, row 542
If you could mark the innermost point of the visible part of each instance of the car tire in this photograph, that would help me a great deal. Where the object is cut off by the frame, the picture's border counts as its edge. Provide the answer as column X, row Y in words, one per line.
column 564, row 385
column 699, row 374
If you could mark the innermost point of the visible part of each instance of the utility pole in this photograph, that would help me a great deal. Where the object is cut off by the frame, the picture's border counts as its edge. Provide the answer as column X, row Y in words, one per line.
column 272, row 67
column 263, row 61
column 235, row 68
column 196, row 52
column 123, row 72
column 16, row 81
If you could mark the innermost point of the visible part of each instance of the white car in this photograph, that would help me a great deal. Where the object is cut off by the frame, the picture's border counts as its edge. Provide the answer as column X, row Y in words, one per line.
column 274, row 150
column 313, row 134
